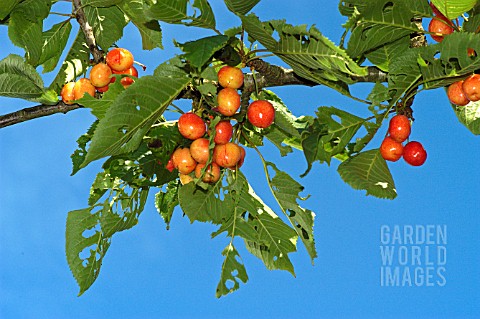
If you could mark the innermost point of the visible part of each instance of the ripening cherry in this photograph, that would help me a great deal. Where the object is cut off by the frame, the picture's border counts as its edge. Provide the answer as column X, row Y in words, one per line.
column 228, row 101
column 439, row 28
column 183, row 160
column 199, row 149
column 100, row 75
column 261, row 113
column 391, row 150
column 119, row 59
column 471, row 87
column 67, row 93
column 414, row 153
column 456, row 95
column 81, row 87
column 230, row 77
column 102, row 89
column 241, row 160
column 191, row 126
column 212, row 173
column 127, row 81
column 399, row 128
column 227, row 155
column 223, row 132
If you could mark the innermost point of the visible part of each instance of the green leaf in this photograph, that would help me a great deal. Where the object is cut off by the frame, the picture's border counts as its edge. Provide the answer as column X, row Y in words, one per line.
column 404, row 74
column 233, row 271
column 205, row 205
column 469, row 115
column 200, row 51
column 54, row 42
column 27, row 35
column 454, row 8
column 175, row 11
column 13, row 85
column 286, row 191
column 34, row 10
column 101, row 3
column 16, row 65
column 76, row 62
column 132, row 114
column 241, row 7
column 85, row 269
column 78, row 156
column 383, row 56
column 107, row 24
column 369, row 171
column 6, row 6
column 382, row 22
column 165, row 202
column 99, row 107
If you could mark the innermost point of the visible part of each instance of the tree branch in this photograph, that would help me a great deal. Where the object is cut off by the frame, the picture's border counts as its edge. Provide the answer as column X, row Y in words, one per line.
column 34, row 112
column 88, row 31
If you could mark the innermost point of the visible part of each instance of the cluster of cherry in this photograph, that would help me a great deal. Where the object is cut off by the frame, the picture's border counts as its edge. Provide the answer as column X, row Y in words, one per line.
column 118, row 61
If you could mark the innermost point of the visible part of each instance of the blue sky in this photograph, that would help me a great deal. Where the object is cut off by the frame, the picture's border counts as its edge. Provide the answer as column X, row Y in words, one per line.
column 150, row 272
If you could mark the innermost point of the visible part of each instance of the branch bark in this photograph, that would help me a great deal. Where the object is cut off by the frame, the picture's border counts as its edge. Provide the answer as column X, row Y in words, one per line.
column 88, row 31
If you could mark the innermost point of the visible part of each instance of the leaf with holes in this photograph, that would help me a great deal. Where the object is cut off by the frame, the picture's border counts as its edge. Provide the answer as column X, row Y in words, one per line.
column 132, row 114
column 232, row 272
column 85, row 269
column 165, row 202
column 369, row 171
column 286, row 191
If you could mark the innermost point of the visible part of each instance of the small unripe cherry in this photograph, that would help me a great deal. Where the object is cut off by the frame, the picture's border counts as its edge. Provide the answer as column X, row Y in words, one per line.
column 439, row 28
column 191, row 126
column 471, row 87
column 200, row 150
column 100, row 75
column 261, row 113
column 227, row 155
column 228, row 101
column 67, row 93
column 223, row 132
column 414, row 153
column 391, row 150
column 399, row 128
column 456, row 95
column 230, row 77
column 81, row 87
column 185, row 179
column 183, row 161
column 212, row 173
column 119, row 59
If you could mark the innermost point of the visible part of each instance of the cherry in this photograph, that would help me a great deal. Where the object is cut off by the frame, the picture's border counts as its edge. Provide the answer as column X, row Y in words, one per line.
column 471, row 87
column 456, row 95
column 212, row 173
column 191, row 126
column 170, row 166
column 230, row 77
column 391, row 150
column 67, row 93
column 439, row 28
column 102, row 89
column 399, row 128
column 241, row 160
column 414, row 153
column 127, row 81
column 100, row 75
column 183, row 161
column 227, row 155
column 261, row 113
column 200, row 150
column 119, row 59
column 228, row 101
column 81, row 87
column 223, row 132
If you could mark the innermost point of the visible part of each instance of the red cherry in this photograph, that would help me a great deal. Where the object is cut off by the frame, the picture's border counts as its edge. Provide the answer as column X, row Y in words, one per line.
column 200, row 150
column 439, row 28
column 399, row 128
column 212, row 174
column 261, row 113
column 183, row 160
column 456, row 95
column 223, row 132
column 227, row 155
column 191, row 126
column 471, row 87
column 127, row 81
column 228, row 101
column 119, row 59
column 391, row 150
column 414, row 153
